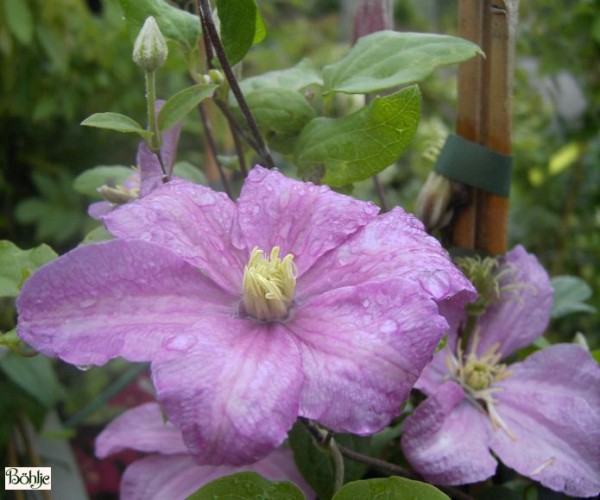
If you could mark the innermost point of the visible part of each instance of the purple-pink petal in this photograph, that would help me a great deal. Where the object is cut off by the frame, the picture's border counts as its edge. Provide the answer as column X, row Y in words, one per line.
column 362, row 349
column 394, row 244
column 116, row 298
column 522, row 314
column 551, row 406
column 232, row 390
column 446, row 439
column 99, row 209
column 192, row 221
column 301, row 218
column 143, row 429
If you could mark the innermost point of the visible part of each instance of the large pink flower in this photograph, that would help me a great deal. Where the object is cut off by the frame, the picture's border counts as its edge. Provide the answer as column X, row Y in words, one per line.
column 170, row 471
column 540, row 416
column 293, row 301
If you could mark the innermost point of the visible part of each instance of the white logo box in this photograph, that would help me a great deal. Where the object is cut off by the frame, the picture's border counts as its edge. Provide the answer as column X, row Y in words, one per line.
column 27, row 478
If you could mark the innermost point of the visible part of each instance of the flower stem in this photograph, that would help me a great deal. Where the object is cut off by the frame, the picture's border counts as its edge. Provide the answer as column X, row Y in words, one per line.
column 211, row 30
column 155, row 140
column 338, row 462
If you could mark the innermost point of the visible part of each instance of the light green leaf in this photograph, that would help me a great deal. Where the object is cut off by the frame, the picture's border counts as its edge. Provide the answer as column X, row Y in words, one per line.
column 34, row 375
column 388, row 59
column 241, row 27
column 186, row 170
column 570, row 294
column 174, row 23
column 247, row 485
column 298, row 78
column 355, row 147
column 17, row 15
column 389, row 488
column 17, row 265
column 96, row 235
column 280, row 114
column 116, row 121
column 89, row 181
column 182, row 103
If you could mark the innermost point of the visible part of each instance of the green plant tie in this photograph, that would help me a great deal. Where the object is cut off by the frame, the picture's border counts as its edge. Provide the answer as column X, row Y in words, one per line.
column 475, row 165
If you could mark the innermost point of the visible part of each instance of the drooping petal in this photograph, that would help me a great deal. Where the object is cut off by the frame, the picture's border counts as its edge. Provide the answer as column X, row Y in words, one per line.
column 116, row 298
column 299, row 217
column 141, row 428
column 446, row 439
column 191, row 220
column 99, row 209
column 234, row 393
column 175, row 477
column 362, row 350
column 435, row 373
column 551, row 406
column 523, row 312
column 393, row 245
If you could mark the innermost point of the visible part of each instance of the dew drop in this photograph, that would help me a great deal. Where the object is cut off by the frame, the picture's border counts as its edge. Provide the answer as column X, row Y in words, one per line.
column 366, row 303
column 83, row 368
column 388, row 326
column 180, row 342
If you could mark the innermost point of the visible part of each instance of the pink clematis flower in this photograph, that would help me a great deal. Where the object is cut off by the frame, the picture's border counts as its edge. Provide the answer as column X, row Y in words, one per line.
column 171, row 472
column 294, row 301
column 540, row 416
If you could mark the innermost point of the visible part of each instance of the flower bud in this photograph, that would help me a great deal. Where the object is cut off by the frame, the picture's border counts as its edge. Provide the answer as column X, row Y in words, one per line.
column 150, row 49
column 433, row 203
column 216, row 76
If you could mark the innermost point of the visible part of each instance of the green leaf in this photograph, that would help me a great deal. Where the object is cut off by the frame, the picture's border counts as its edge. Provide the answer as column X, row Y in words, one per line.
column 241, row 27
column 17, row 265
column 281, row 114
column 116, row 121
column 299, row 77
column 96, row 235
column 182, row 103
column 388, row 59
column 316, row 465
column 596, row 355
column 355, row 147
column 186, row 170
column 247, row 485
column 19, row 20
column 111, row 175
column 34, row 375
column 570, row 294
column 389, row 488
column 174, row 23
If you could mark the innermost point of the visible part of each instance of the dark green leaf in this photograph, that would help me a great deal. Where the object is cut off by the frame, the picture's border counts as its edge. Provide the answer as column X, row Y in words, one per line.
column 116, row 121
column 19, row 20
column 280, row 114
column 34, row 375
column 17, row 265
column 570, row 294
column 182, row 103
column 389, row 489
column 110, row 175
column 186, row 170
column 247, row 485
column 241, row 27
column 316, row 465
column 355, row 147
column 174, row 23
column 388, row 59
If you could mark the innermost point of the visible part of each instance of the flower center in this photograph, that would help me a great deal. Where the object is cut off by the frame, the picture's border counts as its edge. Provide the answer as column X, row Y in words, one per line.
column 269, row 284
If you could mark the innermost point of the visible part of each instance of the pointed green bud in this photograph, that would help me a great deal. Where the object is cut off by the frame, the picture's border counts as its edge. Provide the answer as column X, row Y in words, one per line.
column 150, row 49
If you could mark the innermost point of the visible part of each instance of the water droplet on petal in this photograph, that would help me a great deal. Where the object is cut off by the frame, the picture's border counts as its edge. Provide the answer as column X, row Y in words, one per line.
column 366, row 303
column 180, row 342
column 83, row 368
column 388, row 326
column 256, row 209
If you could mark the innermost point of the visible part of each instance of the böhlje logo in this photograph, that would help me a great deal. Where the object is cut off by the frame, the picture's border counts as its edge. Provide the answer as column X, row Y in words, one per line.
column 27, row 478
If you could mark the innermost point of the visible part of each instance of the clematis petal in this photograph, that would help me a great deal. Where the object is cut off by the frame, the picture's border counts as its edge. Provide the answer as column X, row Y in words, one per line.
column 143, row 429
column 173, row 477
column 362, row 350
column 446, row 439
column 191, row 220
column 116, row 298
column 523, row 312
column 299, row 217
column 234, row 393
column 393, row 245
column 98, row 209
column 551, row 407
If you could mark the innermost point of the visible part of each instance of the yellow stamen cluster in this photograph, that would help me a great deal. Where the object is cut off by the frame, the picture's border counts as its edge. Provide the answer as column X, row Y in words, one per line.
column 477, row 376
column 269, row 284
